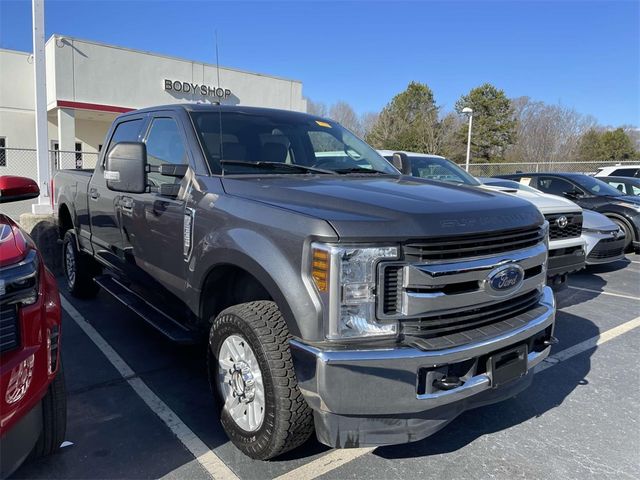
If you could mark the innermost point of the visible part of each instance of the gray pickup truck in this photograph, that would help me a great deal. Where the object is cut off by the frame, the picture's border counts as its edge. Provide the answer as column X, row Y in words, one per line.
column 335, row 293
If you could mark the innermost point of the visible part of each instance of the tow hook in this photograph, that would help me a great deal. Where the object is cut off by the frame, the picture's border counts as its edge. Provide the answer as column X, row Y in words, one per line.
column 550, row 341
column 448, row 383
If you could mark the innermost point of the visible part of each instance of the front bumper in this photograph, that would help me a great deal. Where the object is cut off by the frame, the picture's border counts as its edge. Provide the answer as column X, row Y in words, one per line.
column 371, row 397
column 604, row 248
column 565, row 256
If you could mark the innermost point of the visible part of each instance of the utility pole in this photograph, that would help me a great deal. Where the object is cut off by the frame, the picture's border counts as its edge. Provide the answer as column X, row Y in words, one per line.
column 469, row 112
column 44, row 205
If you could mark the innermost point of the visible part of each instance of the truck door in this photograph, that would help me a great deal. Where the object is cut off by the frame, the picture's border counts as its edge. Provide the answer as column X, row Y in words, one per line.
column 104, row 213
column 153, row 223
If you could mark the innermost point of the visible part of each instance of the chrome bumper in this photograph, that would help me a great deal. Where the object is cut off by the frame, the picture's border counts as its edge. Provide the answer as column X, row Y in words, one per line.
column 384, row 381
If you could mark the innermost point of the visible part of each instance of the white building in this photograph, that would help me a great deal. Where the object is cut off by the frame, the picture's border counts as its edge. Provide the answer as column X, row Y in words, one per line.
column 89, row 84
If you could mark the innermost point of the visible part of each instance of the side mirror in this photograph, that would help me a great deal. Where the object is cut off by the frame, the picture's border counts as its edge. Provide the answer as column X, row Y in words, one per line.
column 126, row 167
column 401, row 162
column 13, row 189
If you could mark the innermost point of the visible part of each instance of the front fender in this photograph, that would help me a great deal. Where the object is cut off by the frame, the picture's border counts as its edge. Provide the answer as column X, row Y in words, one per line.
column 277, row 266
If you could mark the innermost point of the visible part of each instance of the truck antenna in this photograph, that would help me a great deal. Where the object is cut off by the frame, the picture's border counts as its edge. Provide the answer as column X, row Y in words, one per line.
column 219, row 104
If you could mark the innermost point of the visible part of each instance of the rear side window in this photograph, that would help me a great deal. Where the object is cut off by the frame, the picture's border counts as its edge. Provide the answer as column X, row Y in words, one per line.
column 126, row 131
column 625, row 172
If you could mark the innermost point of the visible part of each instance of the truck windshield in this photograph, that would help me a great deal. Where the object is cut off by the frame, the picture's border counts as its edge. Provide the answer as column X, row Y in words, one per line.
column 247, row 143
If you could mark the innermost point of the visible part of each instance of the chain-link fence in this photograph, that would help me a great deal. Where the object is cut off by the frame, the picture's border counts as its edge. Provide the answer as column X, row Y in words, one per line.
column 22, row 162
column 491, row 169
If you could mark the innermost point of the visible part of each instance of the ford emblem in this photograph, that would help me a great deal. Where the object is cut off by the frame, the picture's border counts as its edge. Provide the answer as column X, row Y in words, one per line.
column 504, row 280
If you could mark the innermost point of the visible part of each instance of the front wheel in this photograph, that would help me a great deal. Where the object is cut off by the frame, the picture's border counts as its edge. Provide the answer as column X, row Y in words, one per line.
column 628, row 233
column 54, row 418
column 251, row 372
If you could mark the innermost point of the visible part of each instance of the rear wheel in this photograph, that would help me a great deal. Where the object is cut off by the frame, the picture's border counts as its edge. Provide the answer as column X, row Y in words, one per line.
column 251, row 372
column 79, row 269
column 54, row 418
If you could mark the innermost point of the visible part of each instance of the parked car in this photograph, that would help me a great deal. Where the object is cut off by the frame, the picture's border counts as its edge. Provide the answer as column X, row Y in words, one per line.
column 619, row 171
column 591, row 194
column 431, row 167
column 626, row 185
column 336, row 294
column 32, row 394
column 603, row 240
column 566, row 242
column 566, row 247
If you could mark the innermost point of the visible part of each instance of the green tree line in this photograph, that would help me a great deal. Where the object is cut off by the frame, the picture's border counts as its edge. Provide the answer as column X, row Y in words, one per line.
column 503, row 129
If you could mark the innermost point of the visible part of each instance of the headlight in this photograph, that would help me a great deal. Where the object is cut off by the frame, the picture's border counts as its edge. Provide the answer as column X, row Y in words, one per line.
column 19, row 282
column 345, row 277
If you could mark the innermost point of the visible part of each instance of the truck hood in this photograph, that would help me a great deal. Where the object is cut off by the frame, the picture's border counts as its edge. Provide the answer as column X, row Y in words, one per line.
column 13, row 244
column 384, row 207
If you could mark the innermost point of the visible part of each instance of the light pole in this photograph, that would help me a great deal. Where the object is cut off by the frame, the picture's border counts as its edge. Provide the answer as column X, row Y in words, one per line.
column 469, row 112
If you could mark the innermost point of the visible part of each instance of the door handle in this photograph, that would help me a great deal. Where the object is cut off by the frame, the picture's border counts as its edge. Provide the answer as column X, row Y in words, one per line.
column 126, row 203
column 94, row 194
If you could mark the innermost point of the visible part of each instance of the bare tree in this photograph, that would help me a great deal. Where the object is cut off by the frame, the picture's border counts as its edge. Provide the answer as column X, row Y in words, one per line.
column 367, row 121
column 546, row 133
column 344, row 114
column 316, row 108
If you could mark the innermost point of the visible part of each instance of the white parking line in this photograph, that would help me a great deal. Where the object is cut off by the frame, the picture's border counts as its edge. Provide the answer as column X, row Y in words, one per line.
column 337, row 458
column 588, row 344
column 631, row 297
column 332, row 460
column 203, row 455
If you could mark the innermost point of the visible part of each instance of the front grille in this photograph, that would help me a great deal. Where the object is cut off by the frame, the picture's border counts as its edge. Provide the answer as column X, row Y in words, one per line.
column 607, row 248
column 454, row 329
column 572, row 229
column 468, row 246
column 392, row 291
column 9, row 328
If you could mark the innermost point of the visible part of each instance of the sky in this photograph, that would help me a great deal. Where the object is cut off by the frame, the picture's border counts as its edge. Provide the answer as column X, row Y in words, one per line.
column 581, row 54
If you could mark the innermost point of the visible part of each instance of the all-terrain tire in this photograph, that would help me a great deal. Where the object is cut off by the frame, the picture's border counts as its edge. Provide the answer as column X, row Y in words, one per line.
column 54, row 418
column 288, row 420
column 79, row 269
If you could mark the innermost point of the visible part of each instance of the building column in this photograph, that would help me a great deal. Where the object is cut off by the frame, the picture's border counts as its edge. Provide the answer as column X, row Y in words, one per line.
column 67, row 137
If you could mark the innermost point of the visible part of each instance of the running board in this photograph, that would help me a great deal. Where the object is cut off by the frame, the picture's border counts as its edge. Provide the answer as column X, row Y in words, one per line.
column 150, row 314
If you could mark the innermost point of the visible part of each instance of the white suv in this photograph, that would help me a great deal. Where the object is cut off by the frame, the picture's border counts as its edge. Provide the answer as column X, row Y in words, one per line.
column 619, row 171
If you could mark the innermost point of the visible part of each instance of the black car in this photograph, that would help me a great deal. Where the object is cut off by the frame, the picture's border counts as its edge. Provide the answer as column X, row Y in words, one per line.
column 626, row 185
column 593, row 194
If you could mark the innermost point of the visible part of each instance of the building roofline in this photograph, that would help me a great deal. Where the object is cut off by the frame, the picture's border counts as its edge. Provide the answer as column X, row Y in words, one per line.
column 22, row 52
column 170, row 57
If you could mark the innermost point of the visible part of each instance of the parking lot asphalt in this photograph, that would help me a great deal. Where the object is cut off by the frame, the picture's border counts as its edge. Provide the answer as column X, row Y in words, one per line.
column 140, row 407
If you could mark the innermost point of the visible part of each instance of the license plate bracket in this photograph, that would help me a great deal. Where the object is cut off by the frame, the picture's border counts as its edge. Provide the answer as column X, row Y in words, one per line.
column 507, row 366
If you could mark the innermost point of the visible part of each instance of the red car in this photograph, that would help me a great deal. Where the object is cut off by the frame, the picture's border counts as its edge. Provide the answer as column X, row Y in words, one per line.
column 33, row 409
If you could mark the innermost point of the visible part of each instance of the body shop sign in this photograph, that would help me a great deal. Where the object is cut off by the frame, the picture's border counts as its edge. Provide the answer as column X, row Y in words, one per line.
column 196, row 89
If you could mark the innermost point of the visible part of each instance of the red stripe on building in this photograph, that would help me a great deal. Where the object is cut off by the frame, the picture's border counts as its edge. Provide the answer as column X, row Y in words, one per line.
column 92, row 106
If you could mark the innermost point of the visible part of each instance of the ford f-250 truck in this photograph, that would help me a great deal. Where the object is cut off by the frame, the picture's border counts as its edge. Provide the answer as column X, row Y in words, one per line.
column 334, row 291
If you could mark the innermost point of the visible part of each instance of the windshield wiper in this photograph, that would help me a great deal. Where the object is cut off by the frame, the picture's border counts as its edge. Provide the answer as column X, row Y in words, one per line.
column 278, row 165
column 360, row 170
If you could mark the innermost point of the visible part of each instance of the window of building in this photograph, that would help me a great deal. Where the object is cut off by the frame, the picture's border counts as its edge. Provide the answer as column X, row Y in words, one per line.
column 165, row 145
column 3, row 152
column 78, row 155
